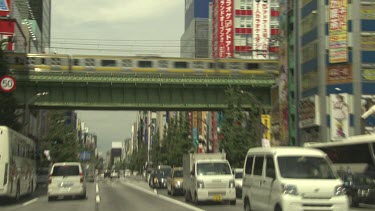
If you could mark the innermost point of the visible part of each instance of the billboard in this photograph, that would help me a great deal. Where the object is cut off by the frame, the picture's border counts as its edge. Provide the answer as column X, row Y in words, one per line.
column 368, row 12
column 340, row 116
column 261, row 28
column 266, row 121
column 368, row 74
column 308, row 112
column 337, row 24
column 368, row 42
column 225, row 27
column 368, row 113
column 339, row 74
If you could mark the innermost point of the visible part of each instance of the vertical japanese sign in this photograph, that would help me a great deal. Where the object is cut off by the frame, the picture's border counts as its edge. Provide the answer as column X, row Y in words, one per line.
column 340, row 115
column 266, row 121
column 338, row 42
column 261, row 29
column 225, row 28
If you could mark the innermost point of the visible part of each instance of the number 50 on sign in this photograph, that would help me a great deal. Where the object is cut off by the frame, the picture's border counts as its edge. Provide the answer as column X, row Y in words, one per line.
column 7, row 83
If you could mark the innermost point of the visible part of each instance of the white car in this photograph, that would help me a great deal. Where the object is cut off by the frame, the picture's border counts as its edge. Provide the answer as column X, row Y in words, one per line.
column 115, row 174
column 66, row 179
column 238, row 173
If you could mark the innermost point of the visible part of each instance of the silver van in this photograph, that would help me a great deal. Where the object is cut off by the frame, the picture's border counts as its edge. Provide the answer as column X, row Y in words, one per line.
column 66, row 179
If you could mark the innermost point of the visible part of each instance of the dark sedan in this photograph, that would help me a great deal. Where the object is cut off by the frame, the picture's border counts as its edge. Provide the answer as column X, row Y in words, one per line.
column 158, row 179
column 360, row 189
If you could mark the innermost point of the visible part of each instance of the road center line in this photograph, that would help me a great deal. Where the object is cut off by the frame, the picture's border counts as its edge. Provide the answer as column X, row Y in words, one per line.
column 30, row 202
column 163, row 197
column 97, row 188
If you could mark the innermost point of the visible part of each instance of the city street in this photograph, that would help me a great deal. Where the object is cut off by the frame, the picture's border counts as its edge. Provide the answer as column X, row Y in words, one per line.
column 119, row 194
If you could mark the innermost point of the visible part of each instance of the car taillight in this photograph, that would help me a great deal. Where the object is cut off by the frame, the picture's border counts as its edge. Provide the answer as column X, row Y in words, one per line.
column 6, row 174
column 81, row 177
column 49, row 179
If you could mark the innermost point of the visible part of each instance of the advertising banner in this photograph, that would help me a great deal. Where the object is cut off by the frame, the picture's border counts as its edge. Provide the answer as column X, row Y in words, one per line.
column 309, row 112
column 261, row 29
column 339, row 74
column 340, row 115
column 368, row 113
column 368, row 74
column 338, row 43
column 368, row 12
column 266, row 121
column 368, row 42
column 4, row 7
column 225, row 28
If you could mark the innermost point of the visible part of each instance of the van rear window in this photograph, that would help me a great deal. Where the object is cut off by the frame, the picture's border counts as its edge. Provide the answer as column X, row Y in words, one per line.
column 65, row 171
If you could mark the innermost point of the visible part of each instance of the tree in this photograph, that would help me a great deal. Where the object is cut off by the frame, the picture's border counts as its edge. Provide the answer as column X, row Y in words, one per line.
column 60, row 140
column 241, row 128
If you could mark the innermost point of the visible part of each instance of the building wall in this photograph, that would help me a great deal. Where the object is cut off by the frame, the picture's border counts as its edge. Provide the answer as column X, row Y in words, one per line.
column 333, row 71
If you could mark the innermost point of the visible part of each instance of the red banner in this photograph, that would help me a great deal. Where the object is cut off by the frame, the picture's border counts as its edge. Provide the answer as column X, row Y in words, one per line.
column 225, row 28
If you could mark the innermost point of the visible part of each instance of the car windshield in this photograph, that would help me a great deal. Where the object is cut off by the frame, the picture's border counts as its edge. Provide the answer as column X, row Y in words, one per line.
column 363, row 180
column 213, row 168
column 305, row 167
column 65, row 171
column 178, row 174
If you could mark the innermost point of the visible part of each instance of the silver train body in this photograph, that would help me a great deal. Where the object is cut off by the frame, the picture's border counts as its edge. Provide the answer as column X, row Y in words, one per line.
column 138, row 64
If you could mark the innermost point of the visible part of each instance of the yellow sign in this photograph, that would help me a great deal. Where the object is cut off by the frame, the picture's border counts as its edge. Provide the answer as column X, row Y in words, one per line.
column 266, row 121
column 368, row 42
column 368, row 74
column 368, row 12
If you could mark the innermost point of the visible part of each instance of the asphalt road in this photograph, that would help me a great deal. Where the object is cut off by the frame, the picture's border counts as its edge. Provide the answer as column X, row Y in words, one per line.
column 131, row 194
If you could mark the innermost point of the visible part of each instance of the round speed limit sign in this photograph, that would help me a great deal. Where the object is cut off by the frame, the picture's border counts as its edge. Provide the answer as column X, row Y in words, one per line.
column 7, row 83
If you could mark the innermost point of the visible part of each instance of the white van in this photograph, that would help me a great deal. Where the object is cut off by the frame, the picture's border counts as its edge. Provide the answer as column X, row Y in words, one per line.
column 66, row 179
column 291, row 179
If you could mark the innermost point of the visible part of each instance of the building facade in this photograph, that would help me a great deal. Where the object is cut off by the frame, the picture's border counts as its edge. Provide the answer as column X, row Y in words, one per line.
column 194, row 41
column 335, row 68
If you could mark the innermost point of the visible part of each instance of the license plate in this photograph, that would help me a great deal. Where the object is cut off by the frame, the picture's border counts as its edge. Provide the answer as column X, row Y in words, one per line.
column 217, row 198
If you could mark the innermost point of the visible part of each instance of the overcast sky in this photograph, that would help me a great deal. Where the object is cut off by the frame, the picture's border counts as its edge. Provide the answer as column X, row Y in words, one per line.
column 116, row 27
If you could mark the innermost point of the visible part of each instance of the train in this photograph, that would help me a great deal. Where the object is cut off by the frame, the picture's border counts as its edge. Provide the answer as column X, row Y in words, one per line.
column 139, row 64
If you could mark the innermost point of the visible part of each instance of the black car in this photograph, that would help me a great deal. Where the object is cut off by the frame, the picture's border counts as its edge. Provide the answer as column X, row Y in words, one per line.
column 107, row 173
column 158, row 179
column 360, row 188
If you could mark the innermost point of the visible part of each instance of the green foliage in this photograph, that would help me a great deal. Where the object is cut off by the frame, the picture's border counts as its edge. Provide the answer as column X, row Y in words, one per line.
column 241, row 129
column 138, row 159
column 60, row 140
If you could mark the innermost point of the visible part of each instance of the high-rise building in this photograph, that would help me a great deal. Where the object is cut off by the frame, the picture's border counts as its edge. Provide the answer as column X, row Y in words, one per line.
column 194, row 41
column 334, row 66
column 244, row 29
column 42, row 13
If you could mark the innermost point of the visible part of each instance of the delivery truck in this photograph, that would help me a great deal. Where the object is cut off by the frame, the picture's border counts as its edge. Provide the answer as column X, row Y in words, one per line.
column 208, row 177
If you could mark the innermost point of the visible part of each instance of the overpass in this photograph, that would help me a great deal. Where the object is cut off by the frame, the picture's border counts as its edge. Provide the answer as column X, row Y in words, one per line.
column 136, row 83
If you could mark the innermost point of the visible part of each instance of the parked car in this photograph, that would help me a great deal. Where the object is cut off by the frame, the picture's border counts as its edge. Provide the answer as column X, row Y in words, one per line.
column 359, row 188
column 66, row 179
column 174, row 181
column 238, row 174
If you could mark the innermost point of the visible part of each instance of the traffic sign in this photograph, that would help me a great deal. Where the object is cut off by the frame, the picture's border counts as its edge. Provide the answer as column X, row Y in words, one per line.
column 7, row 83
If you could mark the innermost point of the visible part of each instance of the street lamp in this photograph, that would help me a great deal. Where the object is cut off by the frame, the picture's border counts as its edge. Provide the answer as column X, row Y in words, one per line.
column 26, row 113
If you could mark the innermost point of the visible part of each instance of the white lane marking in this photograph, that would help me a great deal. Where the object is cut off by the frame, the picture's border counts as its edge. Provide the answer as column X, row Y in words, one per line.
column 97, row 188
column 30, row 202
column 182, row 204
column 97, row 199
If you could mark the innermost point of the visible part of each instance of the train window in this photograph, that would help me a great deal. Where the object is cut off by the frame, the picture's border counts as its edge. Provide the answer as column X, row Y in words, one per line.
column 76, row 62
column 108, row 63
column 163, row 63
column 31, row 60
column 252, row 66
column 20, row 60
column 234, row 65
column 127, row 63
column 218, row 65
column 43, row 61
column 90, row 62
column 55, row 61
column 198, row 65
column 145, row 64
column 180, row 65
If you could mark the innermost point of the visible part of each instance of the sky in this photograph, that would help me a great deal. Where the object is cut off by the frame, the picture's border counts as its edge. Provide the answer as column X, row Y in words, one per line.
column 115, row 27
